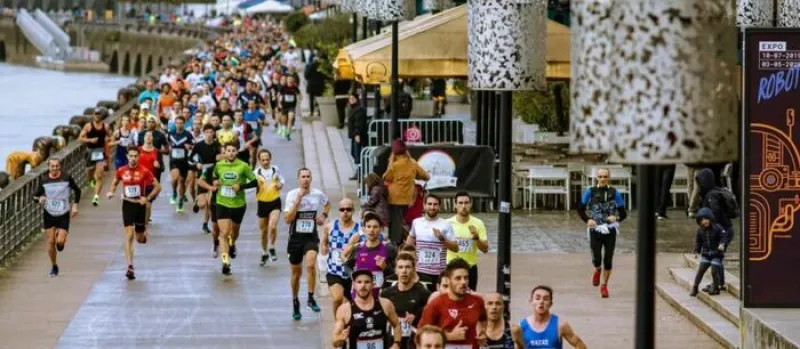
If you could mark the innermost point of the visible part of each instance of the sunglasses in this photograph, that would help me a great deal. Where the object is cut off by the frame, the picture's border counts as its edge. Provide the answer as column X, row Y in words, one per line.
column 346, row 209
column 602, row 176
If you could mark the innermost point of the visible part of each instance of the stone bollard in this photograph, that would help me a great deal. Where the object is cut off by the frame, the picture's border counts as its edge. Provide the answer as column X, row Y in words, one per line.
column 43, row 146
column 58, row 143
column 109, row 104
column 17, row 161
column 5, row 179
column 88, row 111
column 79, row 120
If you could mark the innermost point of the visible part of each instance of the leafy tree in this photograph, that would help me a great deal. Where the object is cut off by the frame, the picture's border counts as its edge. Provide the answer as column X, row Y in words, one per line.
column 542, row 107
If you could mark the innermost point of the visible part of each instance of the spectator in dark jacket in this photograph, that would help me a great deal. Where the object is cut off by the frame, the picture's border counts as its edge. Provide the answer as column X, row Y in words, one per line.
column 357, row 130
column 341, row 91
column 711, row 197
column 709, row 243
column 315, row 83
column 378, row 197
column 406, row 104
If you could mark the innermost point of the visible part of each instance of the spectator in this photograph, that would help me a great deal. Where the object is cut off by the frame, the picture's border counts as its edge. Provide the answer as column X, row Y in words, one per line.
column 401, row 173
column 315, row 83
column 693, row 191
column 406, row 104
column 341, row 88
column 667, row 174
column 357, row 126
column 709, row 243
column 377, row 201
column 724, row 209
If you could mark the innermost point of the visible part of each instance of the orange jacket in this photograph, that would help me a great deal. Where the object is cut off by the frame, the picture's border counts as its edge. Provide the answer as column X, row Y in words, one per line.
column 400, row 175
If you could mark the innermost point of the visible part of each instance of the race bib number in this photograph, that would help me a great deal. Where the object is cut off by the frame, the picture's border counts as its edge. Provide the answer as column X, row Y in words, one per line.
column 406, row 327
column 97, row 155
column 55, row 205
column 228, row 192
column 429, row 257
column 288, row 98
column 336, row 257
column 370, row 344
column 464, row 244
column 124, row 142
column 253, row 125
column 305, row 226
column 132, row 191
column 178, row 153
column 377, row 279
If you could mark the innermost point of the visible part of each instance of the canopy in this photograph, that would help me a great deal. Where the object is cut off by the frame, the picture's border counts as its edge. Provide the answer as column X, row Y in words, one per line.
column 269, row 6
column 248, row 3
column 435, row 46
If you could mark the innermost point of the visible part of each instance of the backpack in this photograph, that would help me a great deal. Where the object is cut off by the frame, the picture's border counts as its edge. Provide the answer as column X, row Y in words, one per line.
column 729, row 200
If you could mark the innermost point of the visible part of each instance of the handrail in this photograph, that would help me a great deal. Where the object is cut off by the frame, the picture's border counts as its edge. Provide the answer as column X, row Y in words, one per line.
column 20, row 216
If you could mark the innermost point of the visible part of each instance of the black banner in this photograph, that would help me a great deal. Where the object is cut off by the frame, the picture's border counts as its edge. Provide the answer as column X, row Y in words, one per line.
column 771, row 214
column 452, row 168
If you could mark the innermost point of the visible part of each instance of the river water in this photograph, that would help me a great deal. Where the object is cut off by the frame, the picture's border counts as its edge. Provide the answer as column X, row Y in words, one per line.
column 33, row 101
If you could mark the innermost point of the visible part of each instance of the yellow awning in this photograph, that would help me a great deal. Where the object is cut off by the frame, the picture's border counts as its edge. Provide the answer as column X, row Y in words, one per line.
column 435, row 46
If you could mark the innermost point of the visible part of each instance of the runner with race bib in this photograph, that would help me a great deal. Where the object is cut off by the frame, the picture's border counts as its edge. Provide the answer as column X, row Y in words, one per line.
column 363, row 321
column 373, row 255
column 433, row 236
column 408, row 296
column 53, row 194
column 335, row 237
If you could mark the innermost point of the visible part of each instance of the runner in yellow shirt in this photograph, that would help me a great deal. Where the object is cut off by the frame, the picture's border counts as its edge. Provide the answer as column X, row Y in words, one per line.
column 470, row 235
column 270, row 182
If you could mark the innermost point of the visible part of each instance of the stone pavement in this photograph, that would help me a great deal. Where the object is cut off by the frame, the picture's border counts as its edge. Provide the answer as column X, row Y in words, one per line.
column 180, row 299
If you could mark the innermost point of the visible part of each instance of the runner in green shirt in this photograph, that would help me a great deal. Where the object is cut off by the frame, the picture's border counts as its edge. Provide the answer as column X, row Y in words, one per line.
column 470, row 235
column 231, row 177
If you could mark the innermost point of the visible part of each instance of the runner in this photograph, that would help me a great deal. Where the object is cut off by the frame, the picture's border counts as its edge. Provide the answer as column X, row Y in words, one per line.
column 180, row 142
column 432, row 236
column 335, row 236
column 206, row 178
column 205, row 154
column 149, row 159
column 458, row 313
column 94, row 136
column 442, row 287
column 470, row 235
column 289, row 96
column 373, row 254
column 191, row 178
column 430, row 337
column 274, row 92
column 53, row 193
column 498, row 329
column 254, row 117
column 227, row 134
column 302, row 214
column 408, row 296
column 270, row 183
column 543, row 329
column 231, row 176
column 135, row 180
column 363, row 322
column 123, row 137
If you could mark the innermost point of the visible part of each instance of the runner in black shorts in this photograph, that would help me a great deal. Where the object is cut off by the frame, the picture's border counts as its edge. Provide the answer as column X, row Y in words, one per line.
column 204, row 155
column 270, row 183
column 53, row 194
column 302, row 214
column 135, row 180
column 180, row 143
column 204, row 184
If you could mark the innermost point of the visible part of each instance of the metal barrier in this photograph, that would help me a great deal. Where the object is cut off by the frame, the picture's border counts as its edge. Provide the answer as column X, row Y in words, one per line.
column 430, row 131
column 367, row 165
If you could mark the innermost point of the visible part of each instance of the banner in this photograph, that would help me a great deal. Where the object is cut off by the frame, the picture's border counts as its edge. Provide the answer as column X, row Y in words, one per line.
column 452, row 168
column 771, row 216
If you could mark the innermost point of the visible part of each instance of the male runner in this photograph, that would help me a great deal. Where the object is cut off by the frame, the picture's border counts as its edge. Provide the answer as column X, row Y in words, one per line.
column 543, row 330
column 180, row 142
column 191, row 178
column 470, row 236
column 335, row 237
column 231, row 177
column 602, row 208
column 302, row 214
column 498, row 329
column 409, row 297
column 94, row 136
column 460, row 314
column 289, row 97
column 373, row 254
column 270, row 183
column 432, row 236
column 135, row 179
column 430, row 337
column 205, row 154
column 53, row 194
column 363, row 321
column 210, row 191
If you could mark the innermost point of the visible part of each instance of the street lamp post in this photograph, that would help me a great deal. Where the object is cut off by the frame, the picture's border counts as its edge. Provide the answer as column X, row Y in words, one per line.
column 394, row 11
column 506, row 52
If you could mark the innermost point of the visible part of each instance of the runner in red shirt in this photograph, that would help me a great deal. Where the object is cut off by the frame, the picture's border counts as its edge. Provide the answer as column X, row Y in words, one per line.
column 461, row 315
column 148, row 159
column 135, row 180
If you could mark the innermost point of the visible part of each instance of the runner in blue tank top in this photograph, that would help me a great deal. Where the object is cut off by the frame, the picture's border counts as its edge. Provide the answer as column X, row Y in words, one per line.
column 334, row 238
column 544, row 330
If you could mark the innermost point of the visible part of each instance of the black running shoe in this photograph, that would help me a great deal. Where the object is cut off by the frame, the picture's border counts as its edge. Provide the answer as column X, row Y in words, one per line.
column 130, row 275
column 205, row 228
column 54, row 270
column 232, row 251
column 226, row 269
column 296, row 310
column 312, row 304
column 273, row 256
column 195, row 208
column 264, row 258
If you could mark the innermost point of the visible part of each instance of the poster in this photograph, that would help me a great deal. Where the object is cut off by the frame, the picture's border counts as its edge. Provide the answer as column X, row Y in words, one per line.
column 771, row 216
column 452, row 168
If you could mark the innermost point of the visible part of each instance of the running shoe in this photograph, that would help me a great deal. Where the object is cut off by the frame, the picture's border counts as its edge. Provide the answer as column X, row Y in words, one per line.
column 232, row 247
column 694, row 292
column 273, row 255
column 91, row 183
column 215, row 252
column 296, row 310
column 226, row 269
column 205, row 228
column 604, row 291
column 54, row 270
column 174, row 199
column 312, row 304
column 95, row 200
column 179, row 209
column 264, row 258
column 130, row 275
column 195, row 207
column 596, row 278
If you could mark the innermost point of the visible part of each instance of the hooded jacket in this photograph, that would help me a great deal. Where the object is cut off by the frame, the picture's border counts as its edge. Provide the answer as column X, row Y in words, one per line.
column 707, row 240
column 712, row 200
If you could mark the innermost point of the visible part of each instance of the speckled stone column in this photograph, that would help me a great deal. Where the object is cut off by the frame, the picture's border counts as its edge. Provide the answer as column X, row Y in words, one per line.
column 390, row 10
column 507, row 43
column 789, row 13
column 437, row 5
column 591, row 123
column 366, row 8
column 754, row 13
column 674, row 95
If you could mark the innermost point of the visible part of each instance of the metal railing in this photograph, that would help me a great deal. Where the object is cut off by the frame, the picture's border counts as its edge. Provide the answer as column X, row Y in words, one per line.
column 368, row 161
column 428, row 131
column 20, row 216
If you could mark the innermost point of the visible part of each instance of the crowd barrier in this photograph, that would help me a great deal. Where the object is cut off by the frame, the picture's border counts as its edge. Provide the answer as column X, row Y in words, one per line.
column 426, row 131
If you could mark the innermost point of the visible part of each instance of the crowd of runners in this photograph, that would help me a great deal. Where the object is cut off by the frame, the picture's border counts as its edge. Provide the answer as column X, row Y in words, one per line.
column 203, row 124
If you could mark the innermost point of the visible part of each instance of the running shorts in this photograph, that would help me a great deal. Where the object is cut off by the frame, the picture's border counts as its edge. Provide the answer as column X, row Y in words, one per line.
column 346, row 283
column 213, row 211
column 58, row 222
column 181, row 165
column 266, row 207
column 289, row 107
column 148, row 190
column 298, row 247
column 134, row 215
column 234, row 214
